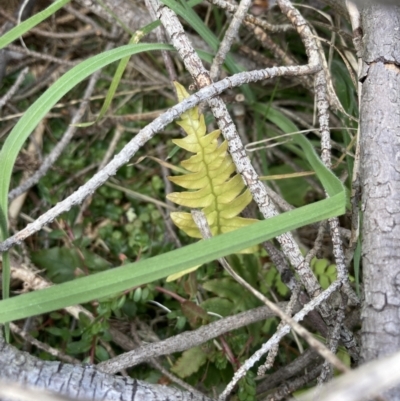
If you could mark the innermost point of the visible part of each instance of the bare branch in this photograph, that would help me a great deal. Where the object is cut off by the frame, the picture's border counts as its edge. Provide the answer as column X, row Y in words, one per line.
column 49, row 161
column 243, row 165
column 145, row 135
column 185, row 340
column 10, row 93
column 230, row 35
column 367, row 381
column 278, row 336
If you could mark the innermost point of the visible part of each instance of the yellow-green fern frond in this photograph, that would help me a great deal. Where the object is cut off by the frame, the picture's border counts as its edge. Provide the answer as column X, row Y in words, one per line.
column 212, row 180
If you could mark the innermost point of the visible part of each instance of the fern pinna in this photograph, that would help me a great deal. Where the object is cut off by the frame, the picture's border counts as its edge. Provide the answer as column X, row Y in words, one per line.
column 212, row 180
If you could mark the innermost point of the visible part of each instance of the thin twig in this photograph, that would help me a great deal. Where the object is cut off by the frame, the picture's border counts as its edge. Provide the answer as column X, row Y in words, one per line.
column 49, row 161
column 243, row 165
column 284, row 390
column 273, row 352
column 230, row 35
column 202, row 224
column 156, row 364
column 141, row 138
column 313, row 304
column 334, row 338
column 186, row 340
column 42, row 56
column 251, row 18
column 309, row 359
column 363, row 383
column 45, row 347
column 119, row 130
column 322, row 103
column 169, row 65
column 10, row 93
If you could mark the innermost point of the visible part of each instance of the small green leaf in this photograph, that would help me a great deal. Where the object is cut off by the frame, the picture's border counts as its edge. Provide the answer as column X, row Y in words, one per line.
column 56, row 331
column 320, row 265
column 180, row 323
column 79, row 347
column 274, row 281
column 61, row 263
column 85, row 320
column 325, row 272
column 324, row 281
column 137, row 296
column 190, row 362
column 101, row 353
column 227, row 288
column 120, row 303
column 220, row 306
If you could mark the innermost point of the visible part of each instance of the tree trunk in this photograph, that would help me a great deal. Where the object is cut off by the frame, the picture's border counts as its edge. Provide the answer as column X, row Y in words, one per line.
column 380, row 178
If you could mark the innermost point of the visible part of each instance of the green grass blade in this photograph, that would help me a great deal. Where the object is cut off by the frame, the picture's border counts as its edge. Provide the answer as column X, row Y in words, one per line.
column 31, row 22
column 44, row 103
column 330, row 182
column 32, row 117
column 119, row 72
column 122, row 278
column 6, row 270
column 110, row 282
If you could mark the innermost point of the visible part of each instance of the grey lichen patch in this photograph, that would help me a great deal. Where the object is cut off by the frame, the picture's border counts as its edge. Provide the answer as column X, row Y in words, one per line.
column 381, row 191
column 378, row 301
column 386, row 223
column 392, row 299
column 392, row 328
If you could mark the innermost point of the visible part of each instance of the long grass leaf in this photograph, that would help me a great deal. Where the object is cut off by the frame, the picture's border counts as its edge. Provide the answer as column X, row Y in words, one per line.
column 110, row 282
column 32, row 117
column 136, row 37
column 122, row 278
column 31, row 22
column 44, row 103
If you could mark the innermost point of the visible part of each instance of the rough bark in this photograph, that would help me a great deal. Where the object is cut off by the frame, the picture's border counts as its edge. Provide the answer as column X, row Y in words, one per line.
column 82, row 382
column 380, row 175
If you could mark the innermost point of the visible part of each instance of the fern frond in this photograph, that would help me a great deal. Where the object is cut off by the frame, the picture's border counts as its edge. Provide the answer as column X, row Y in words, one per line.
column 212, row 180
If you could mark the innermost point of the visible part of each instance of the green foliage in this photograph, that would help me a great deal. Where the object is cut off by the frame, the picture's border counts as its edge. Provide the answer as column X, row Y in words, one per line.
column 122, row 228
column 273, row 280
column 31, row 22
column 190, row 362
column 294, row 190
column 219, row 306
column 62, row 264
column 227, row 288
column 247, row 387
column 325, row 271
